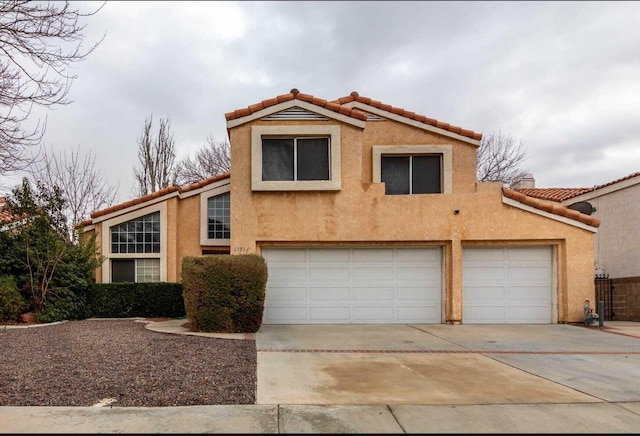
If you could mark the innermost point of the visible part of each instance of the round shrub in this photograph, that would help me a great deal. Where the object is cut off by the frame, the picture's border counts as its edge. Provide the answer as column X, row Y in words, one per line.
column 11, row 302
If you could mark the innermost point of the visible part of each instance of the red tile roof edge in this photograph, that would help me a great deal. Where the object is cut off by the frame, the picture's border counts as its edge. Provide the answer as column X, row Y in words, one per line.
column 354, row 96
column 549, row 207
column 294, row 94
column 157, row 194
column 562, row 194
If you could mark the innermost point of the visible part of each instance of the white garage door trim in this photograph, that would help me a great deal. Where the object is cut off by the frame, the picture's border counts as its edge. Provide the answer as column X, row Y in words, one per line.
column 355, row 285
column 509, row 285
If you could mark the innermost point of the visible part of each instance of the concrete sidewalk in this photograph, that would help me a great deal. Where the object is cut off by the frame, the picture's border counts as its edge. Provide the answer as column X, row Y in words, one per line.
column 401, row 379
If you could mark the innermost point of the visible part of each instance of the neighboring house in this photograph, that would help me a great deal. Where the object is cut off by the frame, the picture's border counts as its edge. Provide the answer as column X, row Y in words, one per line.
column 617, row 242
column 365, row 213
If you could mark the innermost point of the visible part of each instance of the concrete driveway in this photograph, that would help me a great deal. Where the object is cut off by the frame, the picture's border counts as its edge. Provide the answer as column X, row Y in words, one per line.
column 447, row 365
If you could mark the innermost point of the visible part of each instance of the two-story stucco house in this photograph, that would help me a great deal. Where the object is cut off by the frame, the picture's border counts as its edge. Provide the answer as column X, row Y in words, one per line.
column 365, row 213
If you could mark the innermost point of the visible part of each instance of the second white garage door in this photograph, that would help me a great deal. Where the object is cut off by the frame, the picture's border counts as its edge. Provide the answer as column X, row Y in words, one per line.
column 353, row 285
column 510, row 285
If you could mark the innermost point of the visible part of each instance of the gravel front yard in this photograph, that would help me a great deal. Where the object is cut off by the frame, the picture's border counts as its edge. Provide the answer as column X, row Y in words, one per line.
column 89, row 362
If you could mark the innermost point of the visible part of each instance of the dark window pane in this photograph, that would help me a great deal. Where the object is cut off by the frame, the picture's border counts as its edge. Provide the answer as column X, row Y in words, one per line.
column 122, row 270
column 277, row 159
column 394, row 172
column 114, row 248
column 426, row 175
column 313, row 158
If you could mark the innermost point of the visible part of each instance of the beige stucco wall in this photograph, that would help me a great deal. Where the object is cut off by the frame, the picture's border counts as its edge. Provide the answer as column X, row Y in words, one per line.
column 360, row 213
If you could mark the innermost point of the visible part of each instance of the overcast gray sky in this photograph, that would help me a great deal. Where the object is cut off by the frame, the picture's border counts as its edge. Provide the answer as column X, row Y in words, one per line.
column 564, row 77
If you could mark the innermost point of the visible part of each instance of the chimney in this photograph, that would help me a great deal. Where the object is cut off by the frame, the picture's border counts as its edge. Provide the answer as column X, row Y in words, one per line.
column 526, row 181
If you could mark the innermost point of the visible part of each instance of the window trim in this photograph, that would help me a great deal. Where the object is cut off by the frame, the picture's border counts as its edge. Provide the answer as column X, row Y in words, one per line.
column 334, row 182
column 204, row 218
column 106, row 240
column 205, row 241
column 446, row 151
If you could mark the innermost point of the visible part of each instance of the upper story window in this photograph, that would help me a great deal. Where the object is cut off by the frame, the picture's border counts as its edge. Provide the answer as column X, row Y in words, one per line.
column 219, row 217
column 413, row 174
column 413, row 169
column 295, row 159
column 139, row 235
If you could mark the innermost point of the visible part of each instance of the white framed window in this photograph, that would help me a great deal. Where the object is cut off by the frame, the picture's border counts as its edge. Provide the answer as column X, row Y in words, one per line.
column 215, row 217
column 137, row 246
column 135, row 270
column 295, row 158
column 413, row 169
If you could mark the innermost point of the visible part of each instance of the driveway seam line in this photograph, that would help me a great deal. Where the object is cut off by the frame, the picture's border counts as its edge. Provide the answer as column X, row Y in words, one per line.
column 447, row 352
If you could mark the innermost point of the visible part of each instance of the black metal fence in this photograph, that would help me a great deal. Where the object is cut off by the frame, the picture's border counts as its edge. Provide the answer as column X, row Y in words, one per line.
column 604, row 293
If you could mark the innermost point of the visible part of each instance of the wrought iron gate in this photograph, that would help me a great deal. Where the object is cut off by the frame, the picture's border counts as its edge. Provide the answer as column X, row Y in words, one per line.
column 604, row 292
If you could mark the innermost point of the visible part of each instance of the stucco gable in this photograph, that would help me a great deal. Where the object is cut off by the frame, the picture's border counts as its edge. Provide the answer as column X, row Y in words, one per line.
column 366, row 104
column 296, row 99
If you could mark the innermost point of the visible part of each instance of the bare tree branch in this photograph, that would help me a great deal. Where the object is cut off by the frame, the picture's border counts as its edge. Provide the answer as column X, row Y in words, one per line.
column 82, row 186
column 39, row 41
column 499, row 158
column 210, row 160
column 156, row 158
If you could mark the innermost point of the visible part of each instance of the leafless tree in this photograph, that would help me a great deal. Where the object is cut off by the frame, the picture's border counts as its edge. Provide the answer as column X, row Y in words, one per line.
column 82, row 186
column 499, row 158
column 39, row 41
column 210, row 160
column 156, row 158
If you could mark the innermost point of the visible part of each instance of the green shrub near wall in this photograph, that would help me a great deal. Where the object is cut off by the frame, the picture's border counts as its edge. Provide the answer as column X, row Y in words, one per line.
column 224, row 293
column 11, row 302
column 126, row 300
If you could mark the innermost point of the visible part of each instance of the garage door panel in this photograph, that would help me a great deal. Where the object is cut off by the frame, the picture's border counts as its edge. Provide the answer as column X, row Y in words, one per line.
column 329, row 293
column 290, row 314
column 329, row 274
column 327, row 255
column 478, row 293
column 529, row 254
column 484, row 314
column 475, row 254
column 372, row 255
column 373, row 314
column 373, row 294
column 289, row 255
column 483, row 274
column 418, row 293
column 354, row 285
column 361, row 273
column 416, row 313
column 288, row 275
column 417, row 273
column 418, row 255
column 528, row 274
column 287, row 294
column 529, row 293
column 507, row 285
column 528, row 315
column 334, row 314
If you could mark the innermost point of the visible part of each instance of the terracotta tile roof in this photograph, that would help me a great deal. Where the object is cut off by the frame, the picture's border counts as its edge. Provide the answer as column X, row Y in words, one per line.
column 553, row 194
column 354, row 96
column 294, row 94
column 562, row 194
column 160, row 193
column 553, row 208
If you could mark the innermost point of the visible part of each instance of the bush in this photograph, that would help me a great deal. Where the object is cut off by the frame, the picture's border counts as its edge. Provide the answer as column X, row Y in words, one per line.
column 224, row 293
column 62, row 304
column 125, row 300
column 11, row 302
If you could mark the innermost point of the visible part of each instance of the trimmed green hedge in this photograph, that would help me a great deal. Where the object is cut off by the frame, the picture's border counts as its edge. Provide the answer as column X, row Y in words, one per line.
column 126, row 300
column 224, row 293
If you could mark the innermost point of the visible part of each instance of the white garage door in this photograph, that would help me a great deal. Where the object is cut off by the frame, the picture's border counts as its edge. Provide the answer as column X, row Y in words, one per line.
column 510, row 285
column 353, row 285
